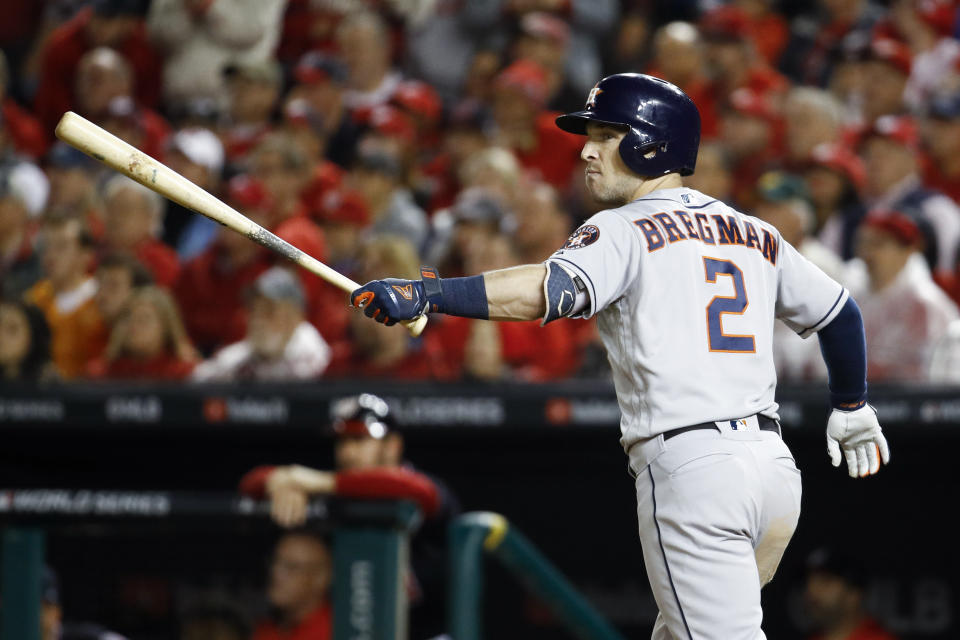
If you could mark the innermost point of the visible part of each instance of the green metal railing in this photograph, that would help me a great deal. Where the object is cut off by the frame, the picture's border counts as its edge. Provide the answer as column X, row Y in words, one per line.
column 472, row 535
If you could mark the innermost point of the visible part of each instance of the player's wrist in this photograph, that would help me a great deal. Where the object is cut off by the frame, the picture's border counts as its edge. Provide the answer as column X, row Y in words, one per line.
column 464, row 297
column 848, row 402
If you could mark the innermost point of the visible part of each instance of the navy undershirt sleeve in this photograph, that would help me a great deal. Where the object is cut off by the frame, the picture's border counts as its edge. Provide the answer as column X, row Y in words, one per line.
column 844, row 348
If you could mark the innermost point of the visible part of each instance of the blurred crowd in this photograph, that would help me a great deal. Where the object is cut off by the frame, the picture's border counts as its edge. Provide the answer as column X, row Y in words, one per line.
column 379, row 135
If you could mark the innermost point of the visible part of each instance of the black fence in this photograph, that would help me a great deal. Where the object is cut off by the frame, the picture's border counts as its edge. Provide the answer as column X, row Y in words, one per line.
column 547, row 457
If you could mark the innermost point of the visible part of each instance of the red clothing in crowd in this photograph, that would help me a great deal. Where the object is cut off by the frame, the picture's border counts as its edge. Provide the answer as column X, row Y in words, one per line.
column 24, row 130
column 238, row 141
column 211, row 298
column 376, row 484
column 58, row 70
column 316, row 626
column 769, row 33
column 556, row 155
column 935, row 178
column 165, row 367
column 532, row 352
column 160, row 260
column 867, row 630
column 155, row 132
column 704, row 95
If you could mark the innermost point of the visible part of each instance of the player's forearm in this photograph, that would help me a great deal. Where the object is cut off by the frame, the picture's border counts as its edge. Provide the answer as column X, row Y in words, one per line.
column 516, row 293
column 844, row 349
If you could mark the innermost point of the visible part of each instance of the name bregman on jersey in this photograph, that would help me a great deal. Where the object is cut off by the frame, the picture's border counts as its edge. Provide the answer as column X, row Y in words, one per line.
column 663, row 229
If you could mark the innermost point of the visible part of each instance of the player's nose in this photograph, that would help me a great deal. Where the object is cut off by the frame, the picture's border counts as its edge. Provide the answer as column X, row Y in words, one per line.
column 589, row 152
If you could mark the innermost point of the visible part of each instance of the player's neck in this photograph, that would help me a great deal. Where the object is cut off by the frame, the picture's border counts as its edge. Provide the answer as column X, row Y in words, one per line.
column 669, row 181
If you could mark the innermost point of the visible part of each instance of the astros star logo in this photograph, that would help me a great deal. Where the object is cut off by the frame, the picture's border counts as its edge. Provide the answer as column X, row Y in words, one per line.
column 592, row 98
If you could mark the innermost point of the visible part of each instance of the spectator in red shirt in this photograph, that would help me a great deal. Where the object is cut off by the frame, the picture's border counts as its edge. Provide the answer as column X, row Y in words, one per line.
column 343, row 215
column 25, row 131
column 134, row 220
column 148, row 342
column 835, row 179
column 768, row 28
column 679, row 57
column 118, row 277
column 520, row 94
column 751, row 132
column 299, row 589
column 108, row 23
column 211, row 287
column 833, row 595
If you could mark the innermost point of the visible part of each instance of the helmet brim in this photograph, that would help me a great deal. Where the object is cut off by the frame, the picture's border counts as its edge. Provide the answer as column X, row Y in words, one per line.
column 576, row 122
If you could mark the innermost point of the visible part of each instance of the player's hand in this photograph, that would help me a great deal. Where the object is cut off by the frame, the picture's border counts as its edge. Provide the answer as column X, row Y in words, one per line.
column 391, row 300
column 289, row 490
column 859, row 435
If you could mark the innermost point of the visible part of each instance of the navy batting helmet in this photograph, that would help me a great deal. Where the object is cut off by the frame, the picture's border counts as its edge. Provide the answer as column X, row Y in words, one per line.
column 659, row 116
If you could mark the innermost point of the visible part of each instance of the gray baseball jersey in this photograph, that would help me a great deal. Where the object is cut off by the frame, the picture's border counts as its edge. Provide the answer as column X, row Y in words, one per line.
column 686, row 290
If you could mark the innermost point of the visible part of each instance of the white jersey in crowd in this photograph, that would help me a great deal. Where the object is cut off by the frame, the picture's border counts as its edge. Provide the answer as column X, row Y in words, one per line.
column 686, row 290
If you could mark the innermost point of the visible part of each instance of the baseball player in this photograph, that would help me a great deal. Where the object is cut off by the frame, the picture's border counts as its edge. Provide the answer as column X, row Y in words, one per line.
column 685, row 290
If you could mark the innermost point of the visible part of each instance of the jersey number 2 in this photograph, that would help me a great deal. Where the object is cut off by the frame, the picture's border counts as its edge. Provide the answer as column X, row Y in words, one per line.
column 720, row 341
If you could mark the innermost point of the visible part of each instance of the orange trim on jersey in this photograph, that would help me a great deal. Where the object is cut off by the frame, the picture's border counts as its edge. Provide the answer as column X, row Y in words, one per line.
column 706, row 276
column 688, row 223
column 670, row 226
column 706, row 234
column 752, row 240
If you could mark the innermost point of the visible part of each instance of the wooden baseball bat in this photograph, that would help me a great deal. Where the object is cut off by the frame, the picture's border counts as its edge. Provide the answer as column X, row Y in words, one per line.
column 102, row 145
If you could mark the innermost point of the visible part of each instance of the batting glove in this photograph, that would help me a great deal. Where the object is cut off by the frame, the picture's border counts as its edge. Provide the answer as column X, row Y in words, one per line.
column 391, row 300
column 859, row 435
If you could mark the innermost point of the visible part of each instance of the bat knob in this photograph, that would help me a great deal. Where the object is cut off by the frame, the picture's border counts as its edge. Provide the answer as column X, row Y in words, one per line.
column 415, row 326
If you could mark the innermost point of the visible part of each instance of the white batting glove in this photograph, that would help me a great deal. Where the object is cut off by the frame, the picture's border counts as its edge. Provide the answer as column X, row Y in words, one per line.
column 859, row 435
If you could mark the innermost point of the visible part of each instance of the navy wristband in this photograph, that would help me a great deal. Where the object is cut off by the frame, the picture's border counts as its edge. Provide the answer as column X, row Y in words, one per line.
column 464, row 297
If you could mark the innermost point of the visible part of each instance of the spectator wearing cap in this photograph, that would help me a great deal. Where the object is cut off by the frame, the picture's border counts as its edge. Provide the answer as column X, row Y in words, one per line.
column 315, row 108
column 20, row 186
column 211, row 286
column 783, row 201
column 890, row 151
column 24, row 130
column 833, row 598
column 374, row 350
column 679, row 57
column 370, row 462
column 767, row 27
column 253, row 90
column 752, row 133
column 73, row 185
column 66, row 295
column 133, row 216
column 117, row 24
column 25, row 347
column 835, row 178
column 280, row 345
column 364, row 42
column 147, row 342
column 104, row 93
column 905, row 314
column 378, row 174
column 480, row 211
column 343, row 215
column 818, row 37
column 200, row 37
column 544, row 39
column 463, row 139
column 732, row 55
column 196, row 154
column 885, row 78
column 522, row 125
column 941, row 137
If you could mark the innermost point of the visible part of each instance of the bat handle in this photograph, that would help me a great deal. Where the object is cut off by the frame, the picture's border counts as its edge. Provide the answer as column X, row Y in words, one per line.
column 415, row 326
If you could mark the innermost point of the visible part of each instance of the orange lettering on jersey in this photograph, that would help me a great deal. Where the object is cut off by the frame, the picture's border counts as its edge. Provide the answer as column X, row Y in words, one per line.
column 673, row 231
column 728, row 230
column 770, row 247
column 406, row 291
column 688, row 223
column 653, row 235
column 703, row 225
column 753, row 240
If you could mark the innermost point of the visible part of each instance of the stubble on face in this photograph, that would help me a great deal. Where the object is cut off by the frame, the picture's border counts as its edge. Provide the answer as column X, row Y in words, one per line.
column 608, row 179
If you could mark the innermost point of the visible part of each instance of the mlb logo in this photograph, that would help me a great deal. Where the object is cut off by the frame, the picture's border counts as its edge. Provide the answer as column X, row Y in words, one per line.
column 685, row 198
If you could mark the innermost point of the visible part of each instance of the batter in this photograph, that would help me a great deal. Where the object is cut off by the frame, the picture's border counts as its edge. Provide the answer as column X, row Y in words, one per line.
column 686, row 291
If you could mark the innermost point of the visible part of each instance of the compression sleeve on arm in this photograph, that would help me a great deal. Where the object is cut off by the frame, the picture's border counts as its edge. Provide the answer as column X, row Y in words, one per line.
column 844, row 348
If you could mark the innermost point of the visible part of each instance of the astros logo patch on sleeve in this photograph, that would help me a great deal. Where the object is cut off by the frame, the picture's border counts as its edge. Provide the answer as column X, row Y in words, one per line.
column 582, row 237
